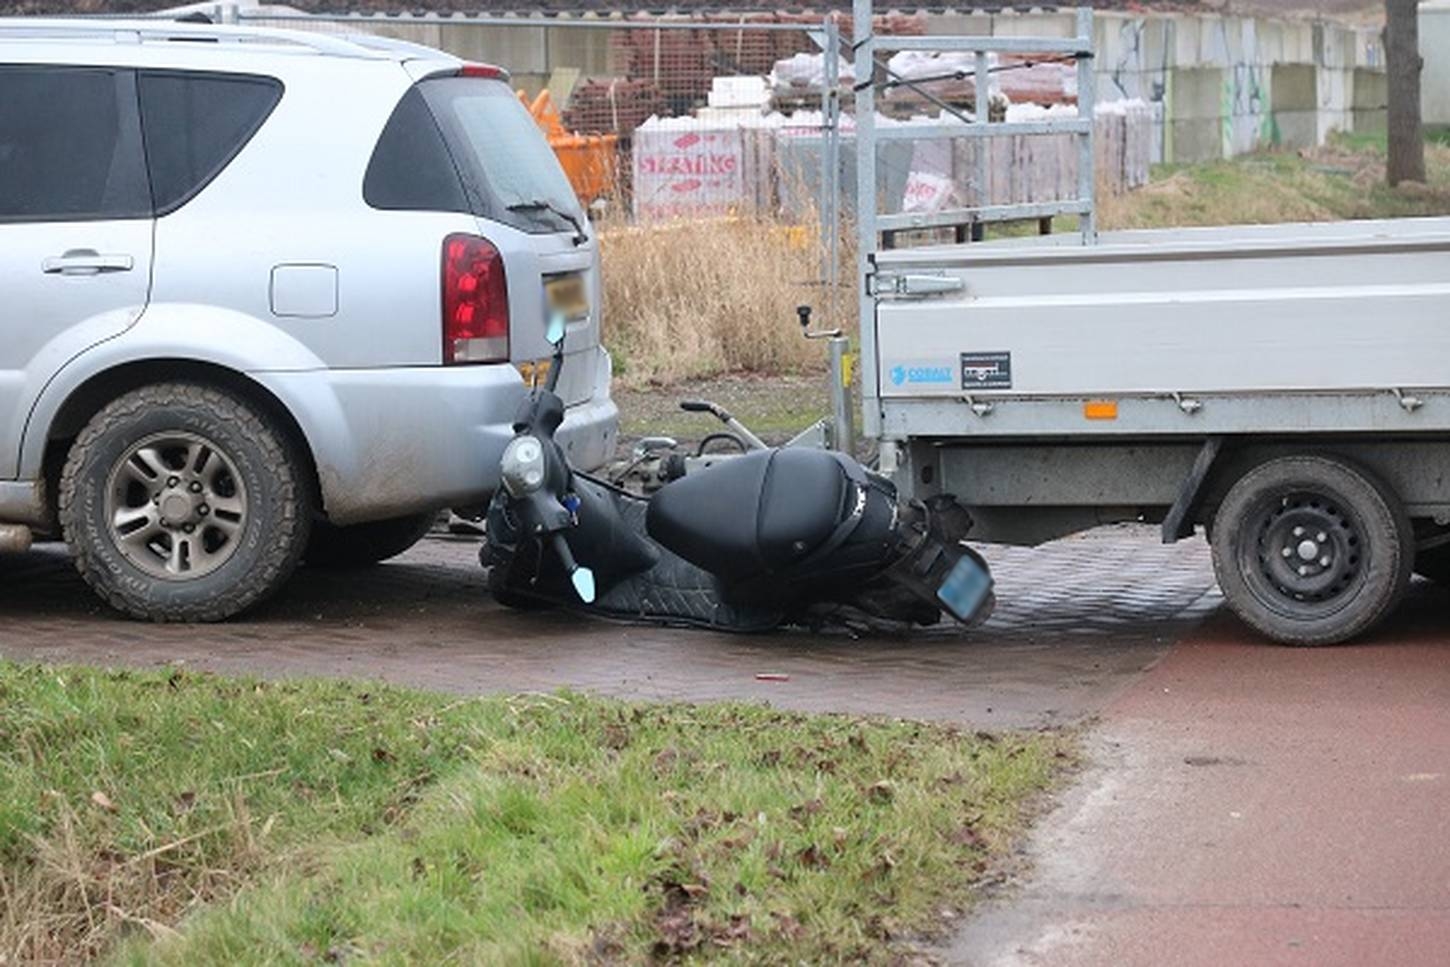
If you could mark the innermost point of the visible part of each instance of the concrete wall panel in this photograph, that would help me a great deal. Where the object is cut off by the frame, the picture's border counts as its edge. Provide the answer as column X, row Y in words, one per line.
column 1435, row 49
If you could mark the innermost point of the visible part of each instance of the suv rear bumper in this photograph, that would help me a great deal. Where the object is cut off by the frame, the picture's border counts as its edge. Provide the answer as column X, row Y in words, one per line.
column 396, row 441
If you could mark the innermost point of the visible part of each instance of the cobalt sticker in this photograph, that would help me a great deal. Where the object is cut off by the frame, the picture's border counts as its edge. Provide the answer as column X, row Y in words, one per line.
column 927, row 374
column 986, row 370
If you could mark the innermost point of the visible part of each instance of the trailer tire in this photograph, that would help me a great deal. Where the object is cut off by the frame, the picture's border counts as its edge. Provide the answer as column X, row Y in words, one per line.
column 1312, row 550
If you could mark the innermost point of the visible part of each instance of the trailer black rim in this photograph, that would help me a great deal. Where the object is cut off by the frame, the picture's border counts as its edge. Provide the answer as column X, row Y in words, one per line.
column 1307, row 556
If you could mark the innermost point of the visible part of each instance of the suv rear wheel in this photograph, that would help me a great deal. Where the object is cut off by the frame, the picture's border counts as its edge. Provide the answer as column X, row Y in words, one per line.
column 360, row 545
column 182, row 502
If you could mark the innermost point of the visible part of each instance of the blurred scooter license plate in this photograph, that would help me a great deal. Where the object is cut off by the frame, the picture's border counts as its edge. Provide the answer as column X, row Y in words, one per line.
column 568, row 295
column 965, row 589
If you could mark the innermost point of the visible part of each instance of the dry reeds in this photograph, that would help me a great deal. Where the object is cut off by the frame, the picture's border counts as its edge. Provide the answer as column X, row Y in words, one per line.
column 709, row 297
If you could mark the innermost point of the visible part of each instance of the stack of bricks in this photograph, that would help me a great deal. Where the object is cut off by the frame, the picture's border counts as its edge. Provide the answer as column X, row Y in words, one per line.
column 683, row 62
column 607, row 105
column 895, row 22
column 678, row 62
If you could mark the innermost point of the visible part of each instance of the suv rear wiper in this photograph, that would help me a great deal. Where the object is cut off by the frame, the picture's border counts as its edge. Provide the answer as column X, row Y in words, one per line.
column 539, row 205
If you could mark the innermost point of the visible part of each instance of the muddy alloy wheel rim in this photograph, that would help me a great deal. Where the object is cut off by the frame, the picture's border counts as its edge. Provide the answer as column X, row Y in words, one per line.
column 1309, row 553
column 176, row 506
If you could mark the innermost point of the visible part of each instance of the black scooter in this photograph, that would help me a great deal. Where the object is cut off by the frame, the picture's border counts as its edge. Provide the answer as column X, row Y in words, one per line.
column 769, row 538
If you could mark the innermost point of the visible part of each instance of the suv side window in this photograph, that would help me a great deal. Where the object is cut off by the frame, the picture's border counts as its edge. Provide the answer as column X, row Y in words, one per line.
column 195, row 123
column 70, row 147
column 411, row 169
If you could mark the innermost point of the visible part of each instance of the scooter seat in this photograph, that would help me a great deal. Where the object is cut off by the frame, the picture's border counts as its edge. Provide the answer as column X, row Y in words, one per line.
column 753, row 515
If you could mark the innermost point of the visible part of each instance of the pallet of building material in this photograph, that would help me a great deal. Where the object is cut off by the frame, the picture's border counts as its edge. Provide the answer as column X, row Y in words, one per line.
column 612, row 105
column 1032, row 169
column 751, row 51
column 678, row 62
column 894, row 22
column 691, row 168
column 920, row 82
column 1043, row 79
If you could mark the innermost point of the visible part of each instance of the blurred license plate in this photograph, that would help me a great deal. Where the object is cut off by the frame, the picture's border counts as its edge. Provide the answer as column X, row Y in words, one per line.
column 567, row 294
column 965, row 589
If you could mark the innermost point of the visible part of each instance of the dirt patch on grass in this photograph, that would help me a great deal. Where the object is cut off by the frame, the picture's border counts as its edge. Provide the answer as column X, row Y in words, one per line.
column 776, row 408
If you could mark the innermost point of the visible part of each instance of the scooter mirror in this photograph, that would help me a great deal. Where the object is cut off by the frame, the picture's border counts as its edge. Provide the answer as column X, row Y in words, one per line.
column 583, row 579
column 556, row 329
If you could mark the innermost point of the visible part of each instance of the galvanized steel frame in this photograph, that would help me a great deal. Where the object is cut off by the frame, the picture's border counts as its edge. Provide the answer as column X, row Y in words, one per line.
column 865, row 45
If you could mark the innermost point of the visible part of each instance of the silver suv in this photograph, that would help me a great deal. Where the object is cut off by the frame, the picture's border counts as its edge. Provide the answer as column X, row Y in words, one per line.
column 269, row 296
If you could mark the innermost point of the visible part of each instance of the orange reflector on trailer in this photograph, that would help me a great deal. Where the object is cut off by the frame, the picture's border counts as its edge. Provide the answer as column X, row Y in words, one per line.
column 1100, row 409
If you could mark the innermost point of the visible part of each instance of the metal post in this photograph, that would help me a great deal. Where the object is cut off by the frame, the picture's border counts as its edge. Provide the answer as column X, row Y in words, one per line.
column 863, row 50
column 1086, row 110
column 831, row 165
column 842, row 420
column 983, row 146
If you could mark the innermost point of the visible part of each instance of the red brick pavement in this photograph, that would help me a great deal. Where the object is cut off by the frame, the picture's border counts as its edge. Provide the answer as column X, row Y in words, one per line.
column 1076, row 620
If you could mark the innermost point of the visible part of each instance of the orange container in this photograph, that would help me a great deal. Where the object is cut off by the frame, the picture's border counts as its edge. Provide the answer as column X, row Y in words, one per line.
column 589, row 160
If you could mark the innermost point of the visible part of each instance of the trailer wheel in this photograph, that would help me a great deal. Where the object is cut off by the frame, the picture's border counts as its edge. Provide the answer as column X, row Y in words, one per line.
column 1311, row 550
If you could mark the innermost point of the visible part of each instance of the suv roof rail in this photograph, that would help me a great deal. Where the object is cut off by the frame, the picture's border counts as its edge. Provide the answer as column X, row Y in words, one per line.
column 162, row 31
column 394, row 45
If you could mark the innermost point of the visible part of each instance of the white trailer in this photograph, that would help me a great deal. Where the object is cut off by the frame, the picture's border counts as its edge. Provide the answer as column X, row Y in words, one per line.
column 1286, row 388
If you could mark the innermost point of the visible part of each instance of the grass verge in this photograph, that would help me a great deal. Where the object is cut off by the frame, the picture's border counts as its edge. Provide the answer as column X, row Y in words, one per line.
column 1344, row 179
column 171, row 817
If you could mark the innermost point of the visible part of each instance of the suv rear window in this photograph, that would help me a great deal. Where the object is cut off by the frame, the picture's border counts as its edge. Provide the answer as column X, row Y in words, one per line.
column 70, row 147
column 473, row 133
column 195, row 123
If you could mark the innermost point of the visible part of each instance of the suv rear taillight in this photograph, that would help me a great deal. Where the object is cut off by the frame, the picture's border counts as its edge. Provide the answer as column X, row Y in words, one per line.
column 475, row 302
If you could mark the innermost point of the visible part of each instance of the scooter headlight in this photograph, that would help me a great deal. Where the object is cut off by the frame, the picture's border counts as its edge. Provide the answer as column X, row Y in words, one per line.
column 523, row 466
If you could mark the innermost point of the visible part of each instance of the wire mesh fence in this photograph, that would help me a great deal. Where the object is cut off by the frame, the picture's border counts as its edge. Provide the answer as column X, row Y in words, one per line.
column 655, row 118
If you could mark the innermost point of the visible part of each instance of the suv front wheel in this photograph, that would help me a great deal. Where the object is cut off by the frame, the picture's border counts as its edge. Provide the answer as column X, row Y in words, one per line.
column 182, row 502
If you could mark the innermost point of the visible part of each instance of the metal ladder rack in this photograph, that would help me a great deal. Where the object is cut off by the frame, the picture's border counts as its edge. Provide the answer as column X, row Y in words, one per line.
column 872, row 226
column 866, row 45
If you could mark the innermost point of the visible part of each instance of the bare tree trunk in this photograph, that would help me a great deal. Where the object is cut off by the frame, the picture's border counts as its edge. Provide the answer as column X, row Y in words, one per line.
column 1402, row 64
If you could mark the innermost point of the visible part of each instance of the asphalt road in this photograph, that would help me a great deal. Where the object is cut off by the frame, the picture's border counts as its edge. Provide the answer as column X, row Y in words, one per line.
column 1251, row 805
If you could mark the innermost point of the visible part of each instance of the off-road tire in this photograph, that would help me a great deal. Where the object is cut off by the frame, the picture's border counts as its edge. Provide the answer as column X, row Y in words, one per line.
column 363, row 545
column 272, row 536
column 1373, row 541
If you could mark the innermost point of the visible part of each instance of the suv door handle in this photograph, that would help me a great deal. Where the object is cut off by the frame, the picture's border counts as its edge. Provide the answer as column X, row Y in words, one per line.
column 85, row 261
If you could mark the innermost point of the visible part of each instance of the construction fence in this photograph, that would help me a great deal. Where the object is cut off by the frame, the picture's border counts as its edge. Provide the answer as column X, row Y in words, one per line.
column 680, row 117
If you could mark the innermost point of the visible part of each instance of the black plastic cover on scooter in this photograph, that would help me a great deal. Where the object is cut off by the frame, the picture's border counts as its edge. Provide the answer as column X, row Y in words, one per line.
column 777, row 517
column 638, row 580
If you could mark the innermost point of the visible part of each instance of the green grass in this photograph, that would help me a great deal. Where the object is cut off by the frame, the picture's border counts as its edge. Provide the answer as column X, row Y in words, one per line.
column 1344, row 180
column 171, row 817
